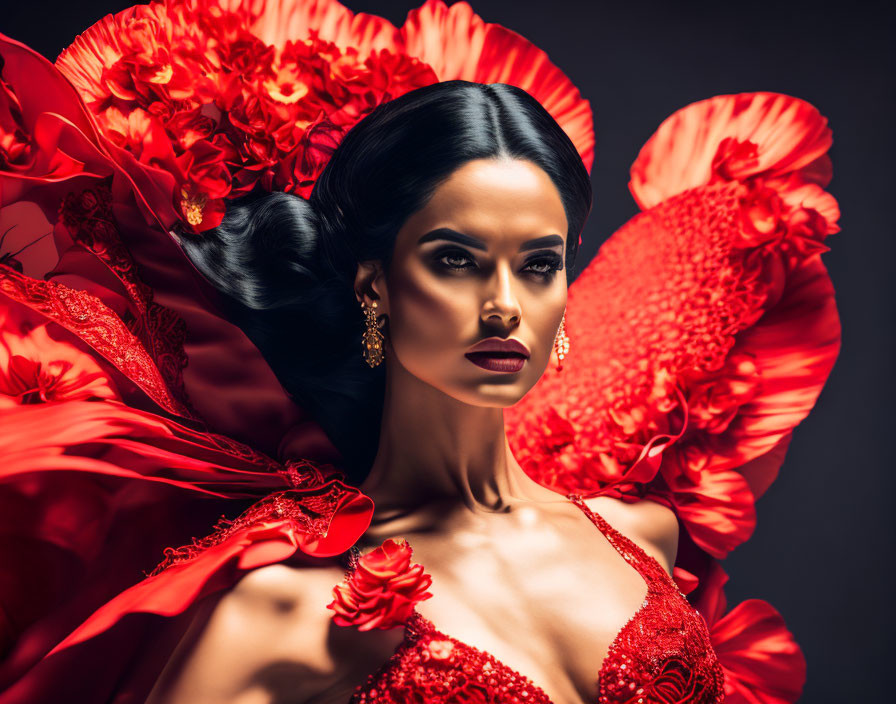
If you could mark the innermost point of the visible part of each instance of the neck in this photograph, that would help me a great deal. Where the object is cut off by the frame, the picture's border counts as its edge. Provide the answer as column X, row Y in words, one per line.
column 435, row 450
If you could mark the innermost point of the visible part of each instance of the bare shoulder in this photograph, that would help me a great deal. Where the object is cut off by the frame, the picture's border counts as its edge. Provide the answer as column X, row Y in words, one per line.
column 651, row 525
column 270, row 630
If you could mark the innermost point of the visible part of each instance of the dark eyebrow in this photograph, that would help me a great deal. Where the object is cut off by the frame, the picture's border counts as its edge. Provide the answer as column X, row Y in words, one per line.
column 445, row 233
column 539, row 242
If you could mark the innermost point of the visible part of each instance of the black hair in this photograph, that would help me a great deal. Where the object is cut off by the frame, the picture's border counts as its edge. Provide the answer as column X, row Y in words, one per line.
column 287, row 266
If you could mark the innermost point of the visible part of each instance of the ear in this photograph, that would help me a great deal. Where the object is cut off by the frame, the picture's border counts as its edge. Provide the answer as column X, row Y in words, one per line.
column 370, row 285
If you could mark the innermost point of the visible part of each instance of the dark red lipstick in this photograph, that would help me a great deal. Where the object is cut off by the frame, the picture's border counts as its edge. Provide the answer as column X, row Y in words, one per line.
column 499, row 355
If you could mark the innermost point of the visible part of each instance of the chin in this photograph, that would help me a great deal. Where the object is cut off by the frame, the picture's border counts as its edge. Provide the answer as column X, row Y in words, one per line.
column 499, row 393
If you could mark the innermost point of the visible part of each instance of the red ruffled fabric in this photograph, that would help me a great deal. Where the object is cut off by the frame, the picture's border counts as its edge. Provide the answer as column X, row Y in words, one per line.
column 733, row 336
column 730, row 341
column 105, row 462
column 93, row 491
column 762, row 662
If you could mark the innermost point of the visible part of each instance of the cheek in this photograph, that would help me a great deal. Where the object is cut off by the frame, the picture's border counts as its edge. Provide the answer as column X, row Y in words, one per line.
column 544, row 320
column 430, row 316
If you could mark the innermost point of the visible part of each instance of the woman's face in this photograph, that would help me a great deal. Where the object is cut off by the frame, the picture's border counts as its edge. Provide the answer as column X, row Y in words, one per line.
column 483, row 259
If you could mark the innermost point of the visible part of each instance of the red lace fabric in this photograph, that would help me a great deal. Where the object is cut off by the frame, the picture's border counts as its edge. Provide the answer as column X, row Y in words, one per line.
column 662, row 655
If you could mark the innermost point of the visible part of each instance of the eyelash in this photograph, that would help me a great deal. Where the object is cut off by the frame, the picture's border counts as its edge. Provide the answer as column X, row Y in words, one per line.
column 554, row 262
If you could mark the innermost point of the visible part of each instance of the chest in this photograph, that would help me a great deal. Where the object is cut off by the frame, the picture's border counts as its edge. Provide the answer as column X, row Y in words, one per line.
column 546, row 596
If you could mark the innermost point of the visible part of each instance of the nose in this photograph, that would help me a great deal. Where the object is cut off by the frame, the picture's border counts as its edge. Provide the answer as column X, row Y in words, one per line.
column 501, row 305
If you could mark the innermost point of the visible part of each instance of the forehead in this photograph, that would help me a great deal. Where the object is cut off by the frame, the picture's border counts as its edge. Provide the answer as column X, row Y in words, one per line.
column 494, row 199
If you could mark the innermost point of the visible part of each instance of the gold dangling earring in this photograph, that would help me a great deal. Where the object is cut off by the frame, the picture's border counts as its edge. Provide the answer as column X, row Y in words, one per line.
column 372, row 342
column 561, row 343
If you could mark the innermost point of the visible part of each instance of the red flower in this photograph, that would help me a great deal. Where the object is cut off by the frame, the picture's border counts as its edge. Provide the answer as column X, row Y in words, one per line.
column 194, row 73
column 298, row 173
column 714, row 398
column 763, row 215
column 382, row 591
column 35, row 368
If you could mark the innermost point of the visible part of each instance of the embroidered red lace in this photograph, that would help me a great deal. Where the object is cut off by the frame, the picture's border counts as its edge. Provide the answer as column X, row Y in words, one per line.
column 662, row 655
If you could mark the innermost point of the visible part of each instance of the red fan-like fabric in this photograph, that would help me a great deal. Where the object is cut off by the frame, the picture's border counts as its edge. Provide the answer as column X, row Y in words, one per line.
column 734, row 331
column 700, row 335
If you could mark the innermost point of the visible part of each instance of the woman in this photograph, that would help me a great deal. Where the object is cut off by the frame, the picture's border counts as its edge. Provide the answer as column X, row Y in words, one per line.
column 453, row 207
column 461, row 241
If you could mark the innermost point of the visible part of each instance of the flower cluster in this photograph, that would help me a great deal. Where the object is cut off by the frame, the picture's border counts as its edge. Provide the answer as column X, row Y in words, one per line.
column 383, row 589
column 188, row 89
column 37, row 368
column 785, row 215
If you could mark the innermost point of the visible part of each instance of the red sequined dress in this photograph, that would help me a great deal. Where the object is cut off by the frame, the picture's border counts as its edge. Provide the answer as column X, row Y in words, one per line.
column 664, row 647
column 135, row 417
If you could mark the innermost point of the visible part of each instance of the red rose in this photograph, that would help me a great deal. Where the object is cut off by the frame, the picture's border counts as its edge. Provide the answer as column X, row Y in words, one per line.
column 382, row 591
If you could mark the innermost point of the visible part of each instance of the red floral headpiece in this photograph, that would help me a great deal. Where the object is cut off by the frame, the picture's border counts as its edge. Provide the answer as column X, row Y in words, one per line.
column 208, row 99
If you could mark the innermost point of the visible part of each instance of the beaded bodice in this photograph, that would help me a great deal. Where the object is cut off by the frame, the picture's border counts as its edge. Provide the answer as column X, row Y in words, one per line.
column 662, row 655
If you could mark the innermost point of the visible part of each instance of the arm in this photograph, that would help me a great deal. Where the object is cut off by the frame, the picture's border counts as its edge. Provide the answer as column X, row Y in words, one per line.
column 265, row 637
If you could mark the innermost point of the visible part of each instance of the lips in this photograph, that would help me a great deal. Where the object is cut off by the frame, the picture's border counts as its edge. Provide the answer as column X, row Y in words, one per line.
column 495, row 363
column 499, row 355
column 500, row 346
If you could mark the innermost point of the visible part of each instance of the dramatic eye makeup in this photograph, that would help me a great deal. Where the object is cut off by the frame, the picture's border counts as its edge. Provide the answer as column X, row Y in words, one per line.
column 545, row 263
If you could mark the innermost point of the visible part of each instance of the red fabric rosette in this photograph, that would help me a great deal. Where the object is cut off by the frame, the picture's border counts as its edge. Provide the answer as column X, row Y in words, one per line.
column 383, row 589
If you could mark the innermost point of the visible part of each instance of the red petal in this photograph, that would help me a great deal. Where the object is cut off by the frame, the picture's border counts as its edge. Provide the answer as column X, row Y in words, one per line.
column 762, row 662
column 60, row 130
column 686, row 581
column 789, row 135
column 449, row 40
column 277, row 21
column 795, row 345
column 718, row 512
column 457, row 44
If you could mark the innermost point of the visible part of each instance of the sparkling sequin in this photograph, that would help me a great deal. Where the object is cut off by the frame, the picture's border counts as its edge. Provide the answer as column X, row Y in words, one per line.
column 662, row 654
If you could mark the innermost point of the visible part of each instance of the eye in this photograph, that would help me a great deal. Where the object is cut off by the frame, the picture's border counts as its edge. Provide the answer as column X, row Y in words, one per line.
column 449, row 258
column 545, row 266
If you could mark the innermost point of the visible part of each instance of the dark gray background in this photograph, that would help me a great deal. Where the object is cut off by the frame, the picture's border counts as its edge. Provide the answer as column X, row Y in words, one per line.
column 823, row 551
